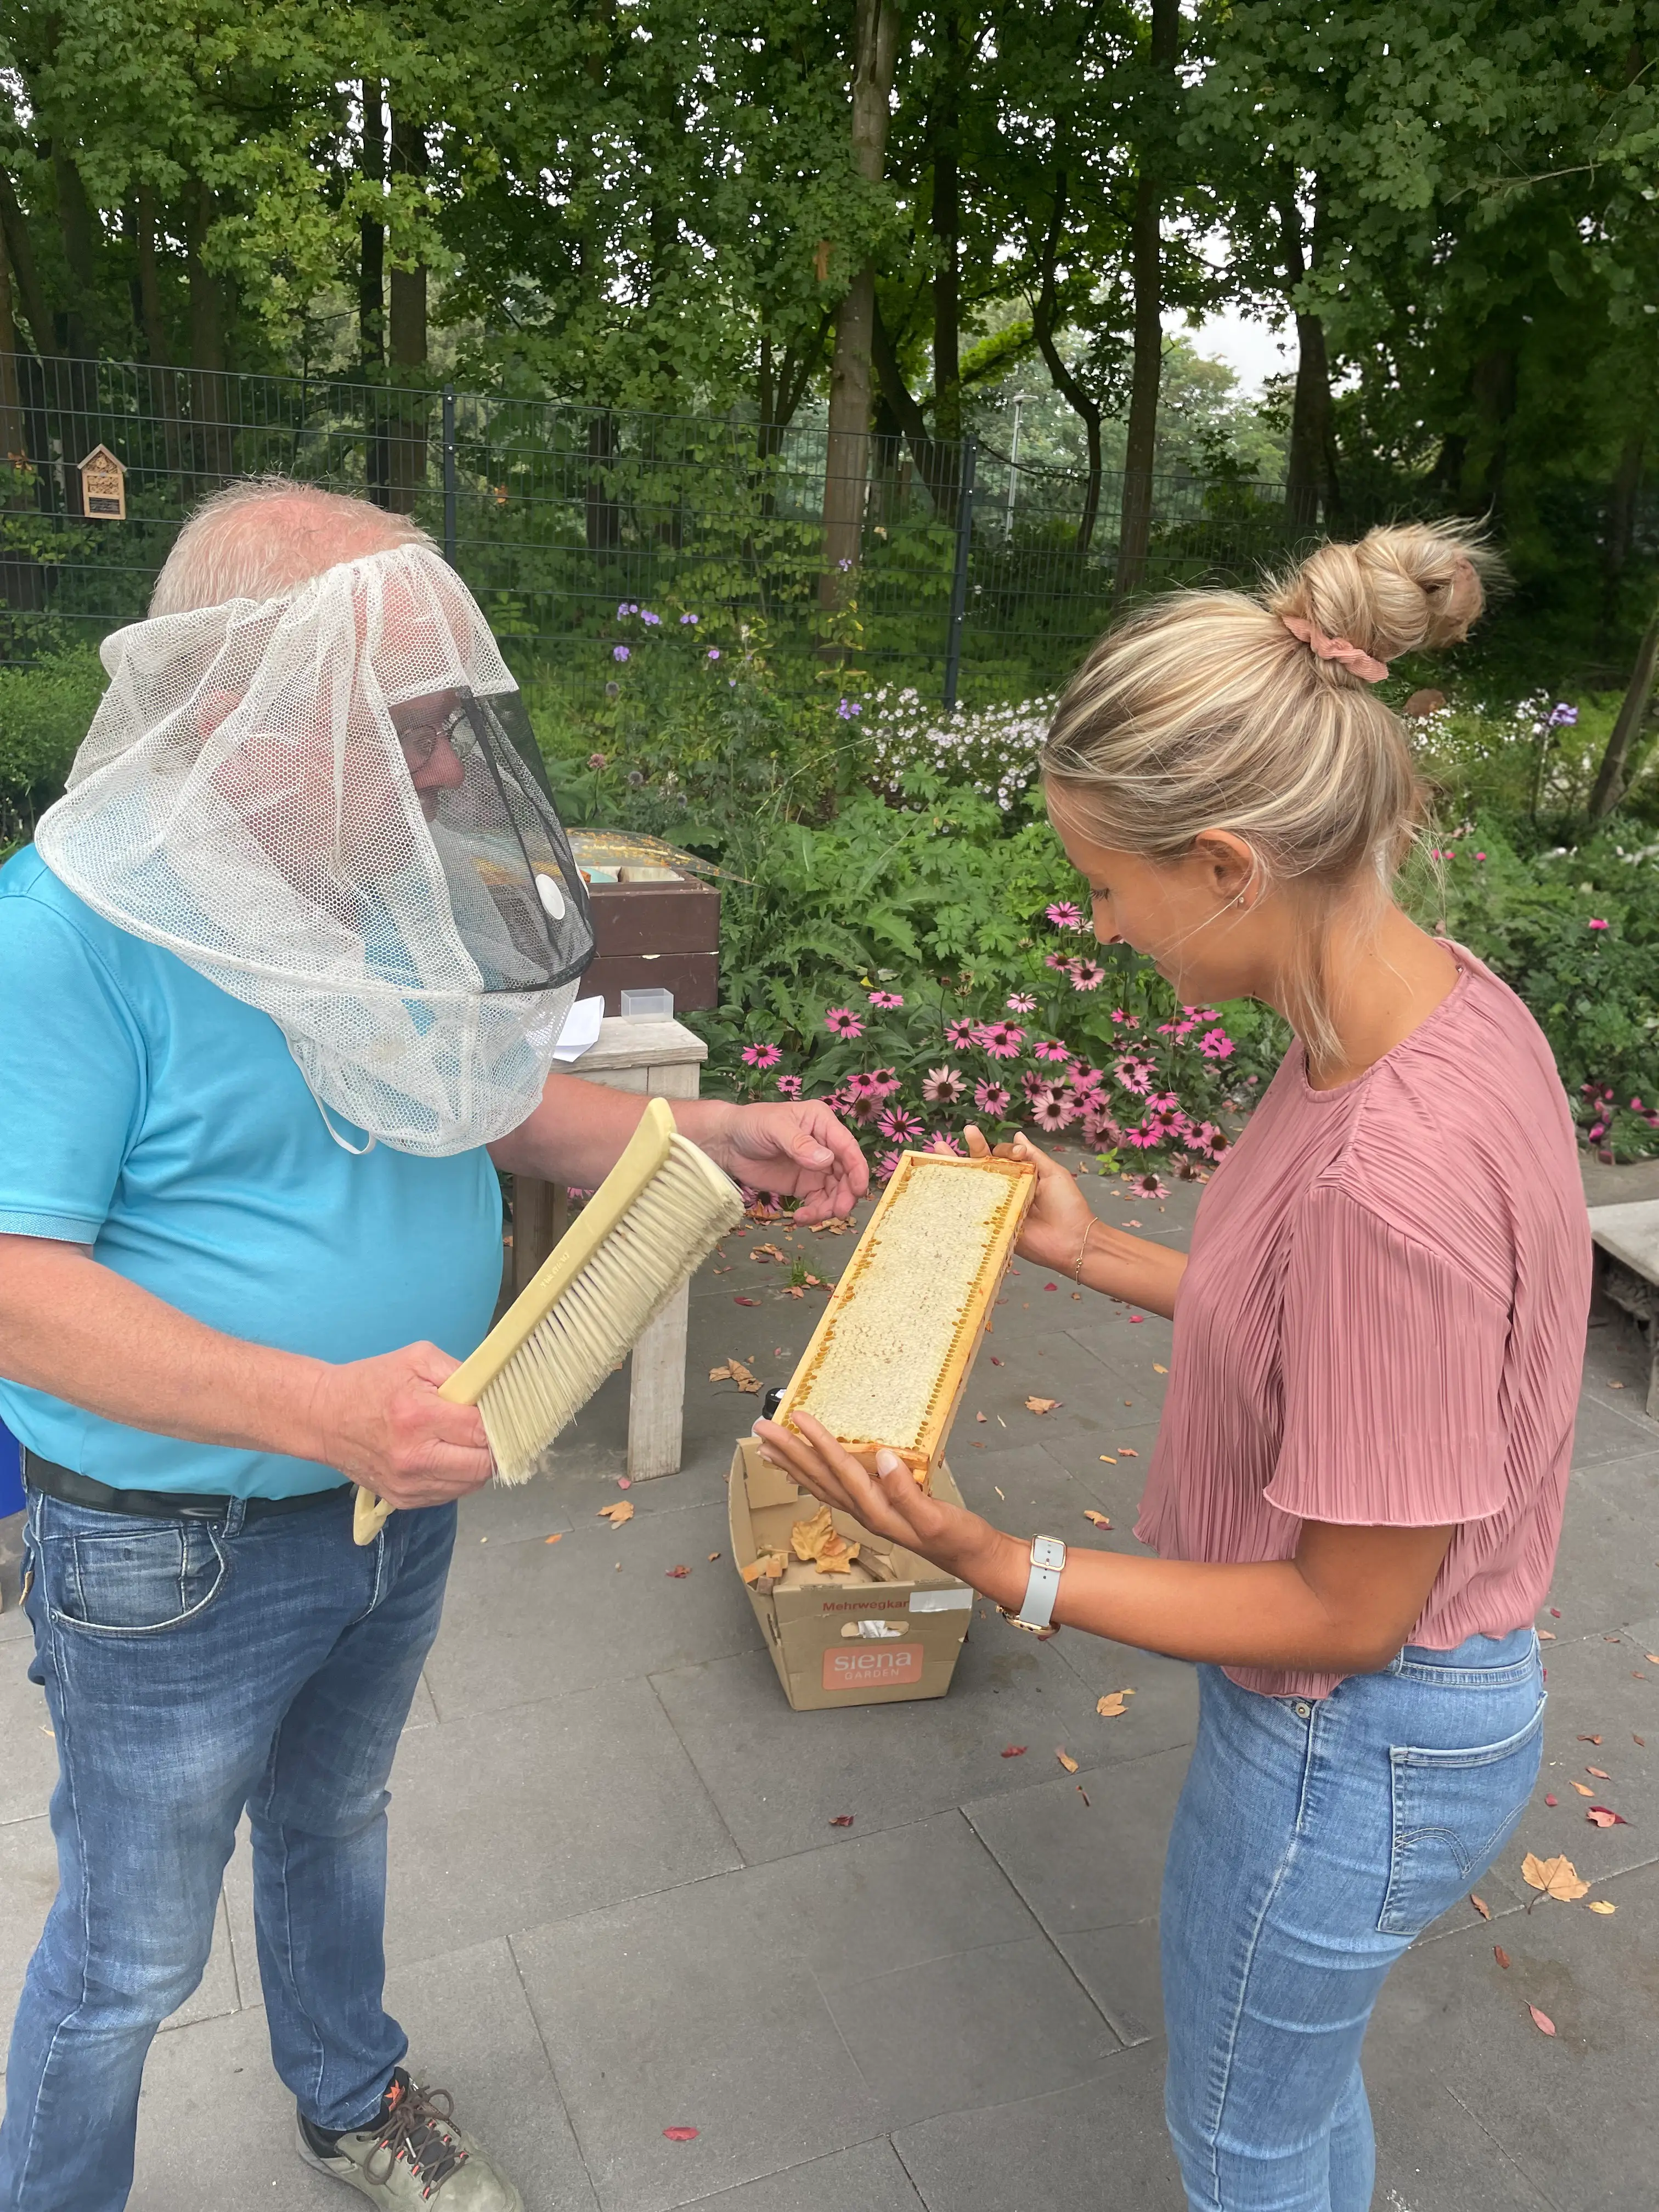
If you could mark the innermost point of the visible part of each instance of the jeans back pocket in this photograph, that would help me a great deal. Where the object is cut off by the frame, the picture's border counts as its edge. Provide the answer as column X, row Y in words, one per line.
column 1453, row 1812
column 139, row 1578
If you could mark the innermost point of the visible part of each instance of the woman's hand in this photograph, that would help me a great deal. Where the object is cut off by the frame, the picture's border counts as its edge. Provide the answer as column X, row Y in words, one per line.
column 1053, row 1231
column 891, row 1503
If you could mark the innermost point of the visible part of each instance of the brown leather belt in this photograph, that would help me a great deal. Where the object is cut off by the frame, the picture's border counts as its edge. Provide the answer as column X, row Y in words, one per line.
column 55, row 1481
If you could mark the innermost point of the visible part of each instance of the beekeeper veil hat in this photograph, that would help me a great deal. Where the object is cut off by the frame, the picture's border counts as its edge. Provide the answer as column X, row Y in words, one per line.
column 332, row 804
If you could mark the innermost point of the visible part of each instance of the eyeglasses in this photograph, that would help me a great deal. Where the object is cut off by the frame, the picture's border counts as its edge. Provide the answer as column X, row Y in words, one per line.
column 420, row 741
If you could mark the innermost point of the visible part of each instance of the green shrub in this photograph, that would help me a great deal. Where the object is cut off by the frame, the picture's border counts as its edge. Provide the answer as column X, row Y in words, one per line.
column 45, row 710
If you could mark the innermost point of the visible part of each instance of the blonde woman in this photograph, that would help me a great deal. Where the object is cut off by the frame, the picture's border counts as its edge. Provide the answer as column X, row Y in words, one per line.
column 1355, row 1498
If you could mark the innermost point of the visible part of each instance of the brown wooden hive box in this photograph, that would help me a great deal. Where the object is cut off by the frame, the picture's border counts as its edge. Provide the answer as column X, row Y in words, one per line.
column 656, row 936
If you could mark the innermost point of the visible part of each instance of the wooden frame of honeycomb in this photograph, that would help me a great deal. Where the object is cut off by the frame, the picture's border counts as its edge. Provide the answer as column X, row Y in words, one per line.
column 890, row 1357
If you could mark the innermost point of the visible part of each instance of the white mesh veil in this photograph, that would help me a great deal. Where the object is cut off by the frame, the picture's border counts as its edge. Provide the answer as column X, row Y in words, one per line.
column 332, row 804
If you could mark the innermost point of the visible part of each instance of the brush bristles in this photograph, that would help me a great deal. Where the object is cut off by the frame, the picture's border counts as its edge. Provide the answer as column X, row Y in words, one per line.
column 671, row 1228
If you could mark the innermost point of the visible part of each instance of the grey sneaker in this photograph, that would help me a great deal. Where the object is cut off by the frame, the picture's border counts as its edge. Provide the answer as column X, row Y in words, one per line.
column 414, row 2154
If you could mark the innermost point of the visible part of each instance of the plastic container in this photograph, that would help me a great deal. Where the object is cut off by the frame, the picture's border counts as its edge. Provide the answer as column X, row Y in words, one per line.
column 647, row 1005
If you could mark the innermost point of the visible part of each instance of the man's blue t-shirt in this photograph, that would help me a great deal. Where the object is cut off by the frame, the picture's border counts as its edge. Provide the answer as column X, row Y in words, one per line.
column 147, row 1113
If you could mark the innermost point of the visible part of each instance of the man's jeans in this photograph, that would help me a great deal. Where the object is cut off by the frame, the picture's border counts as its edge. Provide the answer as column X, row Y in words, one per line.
column 193, row 1668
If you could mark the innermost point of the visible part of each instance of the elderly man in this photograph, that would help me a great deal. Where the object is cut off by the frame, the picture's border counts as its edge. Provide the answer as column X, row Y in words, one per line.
column 279, row 981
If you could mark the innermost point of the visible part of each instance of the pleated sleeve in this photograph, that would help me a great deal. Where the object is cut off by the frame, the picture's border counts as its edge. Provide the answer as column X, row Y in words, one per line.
column 1393, row 1370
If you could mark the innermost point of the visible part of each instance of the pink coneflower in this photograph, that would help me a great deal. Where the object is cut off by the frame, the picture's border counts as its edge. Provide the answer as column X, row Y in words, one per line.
column 1165, row 1102
column 942, row 1086
column 842, row 1022
column 1033, row 1082
column 1055, row 960
column 885, row 1001
column 1125, row 1021
column 887, row 1165
column 1133, row 1074
column 1021, row 1003
column 1148, row 1185
column 1084, row 1079
column 1142, row 1138
column 1087, row 975
column 1053, row 1111
column 762, row 1056
column 1216, row 1044
column 958, row 1035
column 990, row 1098
column 1065, row 916
column 900, row 1126
column 1000, row 1039
column 1049, row 1051
column 885, row 1082
column 789, row 1086
column 941, row 1142
column 1098, row 1127
column 1597, row 925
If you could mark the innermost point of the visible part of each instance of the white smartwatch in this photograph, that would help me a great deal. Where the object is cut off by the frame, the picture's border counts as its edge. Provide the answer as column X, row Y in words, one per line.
column 1037, row 1611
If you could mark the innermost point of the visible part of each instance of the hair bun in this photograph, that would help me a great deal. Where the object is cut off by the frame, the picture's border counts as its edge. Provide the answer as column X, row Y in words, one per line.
column 1402, row 587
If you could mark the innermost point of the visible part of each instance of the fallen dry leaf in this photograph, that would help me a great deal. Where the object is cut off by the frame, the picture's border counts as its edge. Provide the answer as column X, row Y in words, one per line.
column 1600, row 1773
column 1014, row 1750
column 1500, row 1954
column 1640, row 1742
column 1480, row 1906
column 768, row 1252
column 1603, row 1816
column 1099, row 1519
column 1541, row 2021
column 1083, row 1793
column 1556, row 1877
column 1156, row 1370
column 746, row 1301
column 1108, row 1458
column 617, row 1514
column 713, row 1556
column 678, row 1574
column 843, row 1820
column 557, row 1538
column 1551, row 1801
column 1127, row 1451
column 1041, row 1405
column 1071, row 1767
column 1111, row 1707
column 819, row 1543
column 1583, row 1789
column 995, row 1361
column 681, row 2134
column 832, row 1228
column 1546, row 1636
column 1600, row 1905
column 1652, row 1658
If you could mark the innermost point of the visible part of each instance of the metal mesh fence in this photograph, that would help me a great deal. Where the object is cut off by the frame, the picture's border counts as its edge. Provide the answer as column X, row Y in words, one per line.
column 557, row 515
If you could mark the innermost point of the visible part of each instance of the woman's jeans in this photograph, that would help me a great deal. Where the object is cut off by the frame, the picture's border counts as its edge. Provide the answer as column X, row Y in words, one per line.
column 193, row 1667
column 1314, row 1839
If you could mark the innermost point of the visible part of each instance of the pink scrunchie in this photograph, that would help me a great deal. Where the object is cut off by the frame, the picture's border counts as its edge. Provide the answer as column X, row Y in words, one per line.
column 1336, row 648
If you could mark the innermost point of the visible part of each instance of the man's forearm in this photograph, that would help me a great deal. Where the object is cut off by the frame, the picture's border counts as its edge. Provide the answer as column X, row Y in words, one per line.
column 577, row 1135
column 82, row 1333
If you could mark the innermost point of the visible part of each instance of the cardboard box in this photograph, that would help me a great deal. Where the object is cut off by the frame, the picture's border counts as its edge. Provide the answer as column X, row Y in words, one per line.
column 837, row 1642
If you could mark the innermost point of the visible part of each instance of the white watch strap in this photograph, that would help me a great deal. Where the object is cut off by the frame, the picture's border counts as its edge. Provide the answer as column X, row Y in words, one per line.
column 1048, row 1558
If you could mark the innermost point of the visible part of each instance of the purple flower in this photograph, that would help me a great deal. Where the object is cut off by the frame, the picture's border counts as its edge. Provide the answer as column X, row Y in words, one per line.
column 762, row 1056
column 620, row 653
column 1021, row 1003
column 990, row 1098
column 596, row 760
column 687, row 619
column 848, row 708
column 645, row 615
column 714, row 652
column 1562, row 716
column 885, row 1001
column 900, row 1125
column 1063, row 915
column 841, row 1021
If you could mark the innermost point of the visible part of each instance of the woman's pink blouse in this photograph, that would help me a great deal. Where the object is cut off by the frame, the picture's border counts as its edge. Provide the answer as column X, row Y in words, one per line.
column 1382, row 1321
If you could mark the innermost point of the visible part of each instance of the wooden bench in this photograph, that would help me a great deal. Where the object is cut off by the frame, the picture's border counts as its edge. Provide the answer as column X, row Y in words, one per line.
column 1628, row 1273
column 663, row 1060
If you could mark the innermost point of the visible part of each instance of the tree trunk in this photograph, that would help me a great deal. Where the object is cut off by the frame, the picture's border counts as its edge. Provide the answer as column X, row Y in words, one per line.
column 1612, row 776
column 150, row 319
column 945, row 223
column 1082, row 402
column 847, row 456
column 939, row 464
column 207, row 341
column 1310, row 469
column 20, row 252
column 1621, row 517
column 371, row 295
column 407, row 470
column 74, row 224
column 20, row 581
column 604, row 509
column 1146, row 274
column 1492, row 387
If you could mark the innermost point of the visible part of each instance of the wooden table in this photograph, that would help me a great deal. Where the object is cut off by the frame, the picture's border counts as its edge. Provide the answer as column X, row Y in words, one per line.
column 663, row 1059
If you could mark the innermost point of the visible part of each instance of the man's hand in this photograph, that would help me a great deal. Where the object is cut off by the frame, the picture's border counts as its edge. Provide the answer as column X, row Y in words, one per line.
column 798, row 1148
column 382, row 1422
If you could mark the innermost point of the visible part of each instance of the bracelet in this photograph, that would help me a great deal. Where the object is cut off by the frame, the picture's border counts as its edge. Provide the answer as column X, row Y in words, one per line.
column 1083, row 1252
